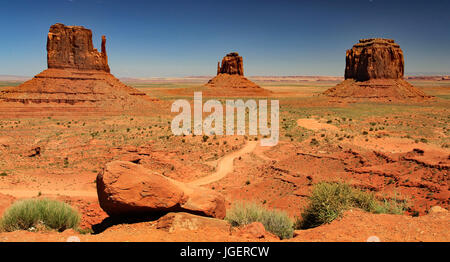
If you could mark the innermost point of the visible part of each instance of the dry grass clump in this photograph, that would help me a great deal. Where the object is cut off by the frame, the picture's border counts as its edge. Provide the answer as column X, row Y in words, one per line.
column 35, row 214
column 274, row 221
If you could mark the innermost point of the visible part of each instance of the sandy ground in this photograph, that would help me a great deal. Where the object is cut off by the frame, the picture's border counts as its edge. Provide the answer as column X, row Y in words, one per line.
column 314, row 124
column 355, row 226
column 394, row 151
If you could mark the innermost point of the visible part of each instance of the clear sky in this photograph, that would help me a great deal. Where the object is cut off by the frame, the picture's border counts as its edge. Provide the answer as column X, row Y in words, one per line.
column 183, row 38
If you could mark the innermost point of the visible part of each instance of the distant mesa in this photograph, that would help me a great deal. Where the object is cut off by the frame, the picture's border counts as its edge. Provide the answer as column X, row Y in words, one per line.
column 230, row 78
column 77, row 74
column 71, row 47
column 374, row 70
column 232, row 64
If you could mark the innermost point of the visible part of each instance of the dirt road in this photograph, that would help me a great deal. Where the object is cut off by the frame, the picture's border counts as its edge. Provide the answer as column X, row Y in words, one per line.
column 225, row 165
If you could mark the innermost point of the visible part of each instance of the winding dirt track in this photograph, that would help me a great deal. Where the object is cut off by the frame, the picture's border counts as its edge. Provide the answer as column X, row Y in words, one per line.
column 225, row 165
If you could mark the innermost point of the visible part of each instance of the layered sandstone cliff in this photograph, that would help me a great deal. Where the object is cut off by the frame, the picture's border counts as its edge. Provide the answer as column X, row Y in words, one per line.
column 71, row 47
column 232, row 64
column 375, row 58
column 77, row 74
column 374, row 70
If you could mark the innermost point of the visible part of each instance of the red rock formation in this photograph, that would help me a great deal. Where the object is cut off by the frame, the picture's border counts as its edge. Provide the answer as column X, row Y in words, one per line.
column 374, row 70
column 185, row 221
column 255, row 230
column 374, row 58
column 77, row 74
column 71, row 47
column 125, row 188
column 230, row 78
column 232, row 64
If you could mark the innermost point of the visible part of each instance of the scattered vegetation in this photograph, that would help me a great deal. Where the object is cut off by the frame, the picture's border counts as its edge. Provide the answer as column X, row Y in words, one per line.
column 314, row 142
column 36, row 214
column 274, row 221
column 66, row 162
column 393, row 205
column 330, row 199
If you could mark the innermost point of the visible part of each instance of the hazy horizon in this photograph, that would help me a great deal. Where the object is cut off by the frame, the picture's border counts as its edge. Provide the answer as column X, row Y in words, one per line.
column 176, row 39
column 3, row 77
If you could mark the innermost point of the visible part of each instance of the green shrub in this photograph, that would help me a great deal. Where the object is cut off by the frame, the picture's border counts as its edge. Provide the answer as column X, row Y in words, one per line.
column 36, row 213
column 274, row 221
column 391, row 206
column 330, row 199
column 327, row 202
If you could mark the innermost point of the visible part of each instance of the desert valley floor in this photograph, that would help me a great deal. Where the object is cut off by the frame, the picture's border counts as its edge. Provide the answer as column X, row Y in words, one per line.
column 398, row 151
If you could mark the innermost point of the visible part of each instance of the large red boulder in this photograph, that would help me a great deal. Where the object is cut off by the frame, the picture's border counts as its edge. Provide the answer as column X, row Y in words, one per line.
column 125, row 188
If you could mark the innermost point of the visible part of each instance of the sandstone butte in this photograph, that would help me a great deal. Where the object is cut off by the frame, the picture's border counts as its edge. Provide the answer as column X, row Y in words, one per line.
column 230, row 78
column 77, row 74
column 374, row 70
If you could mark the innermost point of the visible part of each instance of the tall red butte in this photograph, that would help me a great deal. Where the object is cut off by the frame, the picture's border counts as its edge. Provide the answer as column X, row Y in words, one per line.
column 230, row 79
column 374, row 70
column 77, row 75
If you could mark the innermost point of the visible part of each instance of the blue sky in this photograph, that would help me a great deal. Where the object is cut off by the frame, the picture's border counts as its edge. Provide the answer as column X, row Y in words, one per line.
column 183, row 38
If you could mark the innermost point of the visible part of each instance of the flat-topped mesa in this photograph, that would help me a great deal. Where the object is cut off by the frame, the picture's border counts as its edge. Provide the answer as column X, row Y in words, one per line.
column 232, row 64
column 374, row 58
column 374, row 71
column 71, row 47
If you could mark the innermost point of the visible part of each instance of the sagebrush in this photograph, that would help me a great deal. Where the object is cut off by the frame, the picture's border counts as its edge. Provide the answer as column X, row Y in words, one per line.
column 34, row 214
column 330, row 199
column 274, row 221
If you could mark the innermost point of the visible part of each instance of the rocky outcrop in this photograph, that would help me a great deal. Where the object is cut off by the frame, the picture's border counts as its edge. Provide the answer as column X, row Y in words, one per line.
column 374, row 71
column 71, row 47
column 77, row 74
column 232, row 64
column 185, row 221
column 255, row 230
column 437, row 210
column 374, row 58
column 230, row 79
column 128, row 189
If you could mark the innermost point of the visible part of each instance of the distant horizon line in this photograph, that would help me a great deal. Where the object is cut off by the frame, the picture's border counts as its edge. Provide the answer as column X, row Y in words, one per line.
column 9, row 77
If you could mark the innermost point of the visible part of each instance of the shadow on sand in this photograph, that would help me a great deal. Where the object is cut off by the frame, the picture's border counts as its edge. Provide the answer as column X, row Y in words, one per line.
column 112, row 221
